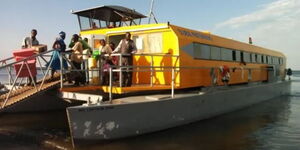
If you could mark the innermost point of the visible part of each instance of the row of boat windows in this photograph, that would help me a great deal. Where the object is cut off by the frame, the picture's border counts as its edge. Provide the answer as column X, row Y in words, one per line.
column 203, row 51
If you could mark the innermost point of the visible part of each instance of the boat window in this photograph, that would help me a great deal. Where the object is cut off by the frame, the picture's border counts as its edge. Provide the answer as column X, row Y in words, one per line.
column 259, row 57
column 253, row 58
column 242, row 57
column 270, row 61
column 126, row 23
column 102, row 24
column 226, row 54
column 276, row 60
column 215, row 53
column 280, row 61
column 84, row 23
column 149, row 43
column 233, row 55
column 137, row 21
column 201, row 51
column 238, row 56
column 95, row 24
column 246, row 57
column 256, row 58
column 265, row 59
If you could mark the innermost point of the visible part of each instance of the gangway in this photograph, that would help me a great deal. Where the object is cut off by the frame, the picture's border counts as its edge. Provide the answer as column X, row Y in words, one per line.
column 19, row 91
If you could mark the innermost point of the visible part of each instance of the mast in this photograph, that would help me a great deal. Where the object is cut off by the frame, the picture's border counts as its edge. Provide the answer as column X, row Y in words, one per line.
column 151, row 14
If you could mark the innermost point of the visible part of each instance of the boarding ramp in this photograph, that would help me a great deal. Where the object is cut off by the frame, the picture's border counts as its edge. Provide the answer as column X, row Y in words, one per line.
column 19, row 69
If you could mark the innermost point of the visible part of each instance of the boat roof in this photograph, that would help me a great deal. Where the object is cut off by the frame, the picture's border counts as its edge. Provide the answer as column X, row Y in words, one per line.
column 111, row 13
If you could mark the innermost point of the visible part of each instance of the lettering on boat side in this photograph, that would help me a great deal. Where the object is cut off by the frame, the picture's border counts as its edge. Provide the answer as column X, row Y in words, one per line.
column 194, row 34
column 95, row 109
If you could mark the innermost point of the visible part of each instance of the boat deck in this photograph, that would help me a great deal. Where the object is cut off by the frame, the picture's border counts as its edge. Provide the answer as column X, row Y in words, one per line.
column 115, row 90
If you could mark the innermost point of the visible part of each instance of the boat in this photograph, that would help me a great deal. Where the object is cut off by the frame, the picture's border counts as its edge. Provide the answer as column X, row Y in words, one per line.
column 179, row 76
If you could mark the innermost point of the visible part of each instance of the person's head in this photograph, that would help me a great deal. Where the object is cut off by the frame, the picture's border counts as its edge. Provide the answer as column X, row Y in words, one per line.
column 127, row 36
column 62, row 34
column 86, row 40
column 56, row 45
column 75, row 37
column 112, row 25
column 33, row 33
column 94, row 25
column 102, row 42
column 112, row 45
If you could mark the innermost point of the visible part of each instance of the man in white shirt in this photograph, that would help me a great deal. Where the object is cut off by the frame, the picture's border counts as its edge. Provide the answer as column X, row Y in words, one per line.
column 126, row 47
column 28, row 42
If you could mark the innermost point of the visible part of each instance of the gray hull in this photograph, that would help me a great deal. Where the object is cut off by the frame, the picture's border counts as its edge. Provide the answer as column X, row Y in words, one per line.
column 95, row 123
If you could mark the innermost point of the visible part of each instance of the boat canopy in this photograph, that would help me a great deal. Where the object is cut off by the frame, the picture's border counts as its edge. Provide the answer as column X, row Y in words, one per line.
column 108, row 17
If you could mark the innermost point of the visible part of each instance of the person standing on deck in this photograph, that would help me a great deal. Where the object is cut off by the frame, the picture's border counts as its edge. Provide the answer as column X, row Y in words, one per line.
column 87, row 51
column 106, row 61
column 126, row 47
column 60, row 47
column 28, row 42
column 76, row 59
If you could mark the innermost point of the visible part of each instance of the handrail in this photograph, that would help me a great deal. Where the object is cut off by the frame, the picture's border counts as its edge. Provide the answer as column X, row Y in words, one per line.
column 4, row 60
column 27, row 58
column 173, row 69
column 24, row 64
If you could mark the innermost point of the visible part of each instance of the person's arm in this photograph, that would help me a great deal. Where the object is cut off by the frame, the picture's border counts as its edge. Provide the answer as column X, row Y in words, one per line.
column 24, row 43
column 85, row 45
column 108, row 49
column 134, row 49
column 72, row 43
column 75, row 47
column 118, row 48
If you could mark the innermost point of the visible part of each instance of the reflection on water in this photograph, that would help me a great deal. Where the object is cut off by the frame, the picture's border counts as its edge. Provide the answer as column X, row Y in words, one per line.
column 270, row 125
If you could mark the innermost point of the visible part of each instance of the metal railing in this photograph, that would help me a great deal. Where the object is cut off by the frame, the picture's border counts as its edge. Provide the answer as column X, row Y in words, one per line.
column 119, row 67
column 213, row 72
column 173, row 69
column 9, row 63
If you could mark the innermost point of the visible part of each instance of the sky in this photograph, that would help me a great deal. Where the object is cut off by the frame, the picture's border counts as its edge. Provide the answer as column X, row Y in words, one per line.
column 271, row 23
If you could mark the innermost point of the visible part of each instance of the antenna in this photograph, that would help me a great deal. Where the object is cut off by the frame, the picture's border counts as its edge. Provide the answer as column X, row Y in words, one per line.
column 151, row 14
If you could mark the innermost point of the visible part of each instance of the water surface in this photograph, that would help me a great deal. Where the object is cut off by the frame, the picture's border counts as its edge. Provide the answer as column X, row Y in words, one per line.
column 274, row 124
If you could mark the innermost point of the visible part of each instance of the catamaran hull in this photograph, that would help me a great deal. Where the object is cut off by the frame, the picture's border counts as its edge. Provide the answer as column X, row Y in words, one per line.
column 96, row 123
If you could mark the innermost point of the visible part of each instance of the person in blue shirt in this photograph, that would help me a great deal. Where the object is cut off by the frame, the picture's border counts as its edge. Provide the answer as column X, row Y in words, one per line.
column 60, row 46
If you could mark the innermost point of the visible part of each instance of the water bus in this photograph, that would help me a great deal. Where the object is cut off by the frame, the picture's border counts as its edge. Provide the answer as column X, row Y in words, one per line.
column 177, row 77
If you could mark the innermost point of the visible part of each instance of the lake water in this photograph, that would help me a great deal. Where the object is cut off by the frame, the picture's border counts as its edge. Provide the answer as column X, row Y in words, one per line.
column 272, row 125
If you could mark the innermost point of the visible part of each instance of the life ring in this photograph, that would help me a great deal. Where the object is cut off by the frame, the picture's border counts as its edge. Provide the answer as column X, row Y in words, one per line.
column 225, row 73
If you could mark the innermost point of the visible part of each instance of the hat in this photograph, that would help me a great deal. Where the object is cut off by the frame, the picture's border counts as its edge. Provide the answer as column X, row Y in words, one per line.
column 62, row 33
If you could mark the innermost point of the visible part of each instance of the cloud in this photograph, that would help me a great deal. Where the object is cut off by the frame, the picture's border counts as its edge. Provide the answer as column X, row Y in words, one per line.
column 270, row 12
column 275, row 25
